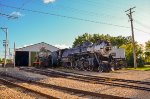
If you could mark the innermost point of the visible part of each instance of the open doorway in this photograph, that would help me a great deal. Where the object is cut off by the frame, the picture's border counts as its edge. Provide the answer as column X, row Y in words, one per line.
column 22, row 58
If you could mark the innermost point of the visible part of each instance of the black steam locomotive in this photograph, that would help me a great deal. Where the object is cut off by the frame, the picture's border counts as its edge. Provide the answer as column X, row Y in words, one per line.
column 86, row 56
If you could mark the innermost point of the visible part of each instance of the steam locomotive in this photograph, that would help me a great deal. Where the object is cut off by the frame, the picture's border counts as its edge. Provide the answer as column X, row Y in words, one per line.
column 86, row 57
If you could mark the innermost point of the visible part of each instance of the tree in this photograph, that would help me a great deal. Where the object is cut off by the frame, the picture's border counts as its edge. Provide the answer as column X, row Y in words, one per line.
column 147, row 52
column 115, row 41
column 82, row 38
column 129, row 54
column 140, row 55
column 120, row 40
column 147, row 45
column 0, row 60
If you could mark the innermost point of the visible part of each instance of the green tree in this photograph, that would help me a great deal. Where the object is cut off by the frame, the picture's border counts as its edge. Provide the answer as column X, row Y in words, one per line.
column 0, row 60
column 120, row 40
column 147, row 52
column 147, row 45
column 82, row 38
column 140, row 55
column 115, row 41
column 129, row 54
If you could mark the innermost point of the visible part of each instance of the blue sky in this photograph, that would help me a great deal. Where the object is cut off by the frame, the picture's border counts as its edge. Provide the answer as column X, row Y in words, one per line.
column 31, row 28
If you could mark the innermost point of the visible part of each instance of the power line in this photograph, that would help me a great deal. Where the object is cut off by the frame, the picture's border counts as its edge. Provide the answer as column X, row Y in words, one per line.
column 91, row 3
column 81, row 11
column 12, row 16
column 144, row 25
column 91, row 12
column 69, row 17
column 142, row 31
column 97, row 2
column 8, row 16
column 25, row 3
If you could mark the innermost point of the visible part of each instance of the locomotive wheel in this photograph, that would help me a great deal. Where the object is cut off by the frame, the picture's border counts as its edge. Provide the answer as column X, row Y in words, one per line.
column 65, row 65
column 112, row 66
column 81, row 68
column 90, row 68
column 73, row 66
column 107, row 67
column 69, row 65
column 85, row 65
column 80, row 65
column 100, row 68
column 123, row 64
column 104, row 68
column 118, row 65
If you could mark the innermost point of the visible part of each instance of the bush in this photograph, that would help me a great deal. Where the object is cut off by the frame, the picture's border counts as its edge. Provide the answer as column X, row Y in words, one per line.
column 140, row 62
column 130, row 61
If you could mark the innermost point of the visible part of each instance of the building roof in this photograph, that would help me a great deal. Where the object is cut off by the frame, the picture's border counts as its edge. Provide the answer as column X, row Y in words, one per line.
column 37, row 47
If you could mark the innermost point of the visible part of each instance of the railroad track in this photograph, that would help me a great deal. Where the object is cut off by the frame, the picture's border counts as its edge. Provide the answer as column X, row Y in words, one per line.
column 92, row 79
column 108, row 78
column 7, row 82
column 68, row 90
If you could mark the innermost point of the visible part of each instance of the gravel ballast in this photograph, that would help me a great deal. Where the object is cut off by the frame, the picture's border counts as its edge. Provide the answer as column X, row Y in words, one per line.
column 98, row 88
column 121, row 74
column 9, row 93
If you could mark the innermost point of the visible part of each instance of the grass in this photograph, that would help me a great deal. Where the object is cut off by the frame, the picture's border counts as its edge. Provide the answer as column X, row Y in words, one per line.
column 145, row 68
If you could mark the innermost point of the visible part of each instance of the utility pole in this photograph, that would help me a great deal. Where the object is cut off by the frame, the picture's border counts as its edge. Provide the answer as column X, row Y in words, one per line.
column 132, row 30
column 14, row 53
column 9, row 52
column 6, row 44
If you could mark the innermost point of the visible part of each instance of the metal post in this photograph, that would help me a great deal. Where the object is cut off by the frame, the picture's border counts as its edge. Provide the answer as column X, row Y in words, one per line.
column 29, row 64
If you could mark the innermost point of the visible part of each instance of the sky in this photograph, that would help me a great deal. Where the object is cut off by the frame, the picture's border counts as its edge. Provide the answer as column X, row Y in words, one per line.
column 59, row 22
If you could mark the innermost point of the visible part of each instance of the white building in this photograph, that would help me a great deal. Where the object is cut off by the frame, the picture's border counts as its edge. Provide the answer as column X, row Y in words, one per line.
column 25, row 56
